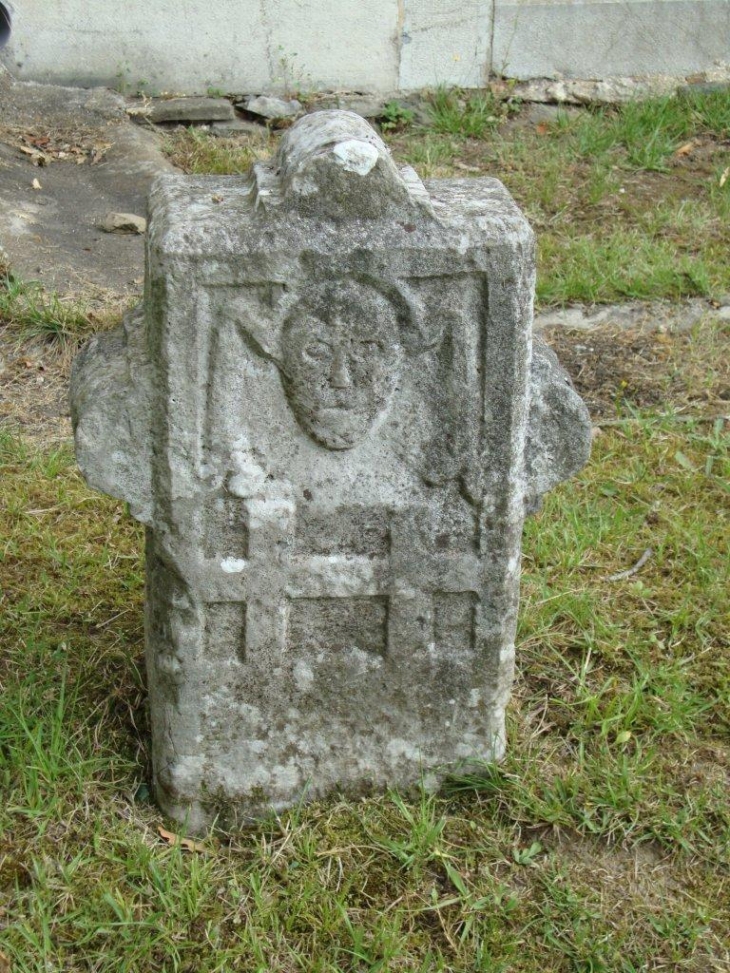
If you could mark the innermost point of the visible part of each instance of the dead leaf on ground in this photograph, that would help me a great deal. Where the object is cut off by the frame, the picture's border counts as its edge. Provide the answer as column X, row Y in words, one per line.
column 686, row 148
column 5, row 966
column 725, row 176
column 542, row 128
column 174, row 839
column 36, row 157
column 44, row 149
column 36, row 184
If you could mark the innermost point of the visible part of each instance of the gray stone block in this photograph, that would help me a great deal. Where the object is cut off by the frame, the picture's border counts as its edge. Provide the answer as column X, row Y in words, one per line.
column 184, row 110
column 365, row 105
column 533, row 39
column 272, row 108
column 328, row 415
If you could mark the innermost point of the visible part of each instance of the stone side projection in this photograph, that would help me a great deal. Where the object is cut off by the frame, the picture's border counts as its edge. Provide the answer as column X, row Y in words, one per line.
column 328, row 416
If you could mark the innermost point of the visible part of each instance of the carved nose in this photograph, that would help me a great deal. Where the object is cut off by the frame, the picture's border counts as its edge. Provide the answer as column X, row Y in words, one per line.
column 340, row 377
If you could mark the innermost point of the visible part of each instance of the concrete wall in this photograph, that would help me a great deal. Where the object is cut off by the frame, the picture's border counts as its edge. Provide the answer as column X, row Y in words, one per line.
column 376, row 45
column 603, row 38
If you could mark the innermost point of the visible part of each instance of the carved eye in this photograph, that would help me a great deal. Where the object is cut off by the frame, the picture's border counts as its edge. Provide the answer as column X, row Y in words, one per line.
column 317, row 351
column 368, row 349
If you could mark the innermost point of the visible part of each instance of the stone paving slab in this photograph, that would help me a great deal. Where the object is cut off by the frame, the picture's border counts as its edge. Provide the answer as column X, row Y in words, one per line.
column 50, row 214
column 674, row 316
column 184, row 110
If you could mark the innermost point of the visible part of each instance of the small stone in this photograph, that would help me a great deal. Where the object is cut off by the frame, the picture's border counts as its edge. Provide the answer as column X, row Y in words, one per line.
column 539, row 113
column 123, row 223
column 368, row 106
column 272, row 108
column 183, row 110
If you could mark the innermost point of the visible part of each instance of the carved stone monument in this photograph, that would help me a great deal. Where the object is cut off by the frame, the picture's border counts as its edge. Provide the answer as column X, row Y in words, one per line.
column 327, row 414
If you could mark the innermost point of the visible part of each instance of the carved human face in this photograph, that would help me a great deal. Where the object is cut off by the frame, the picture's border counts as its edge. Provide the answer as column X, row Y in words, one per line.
column 340, row 364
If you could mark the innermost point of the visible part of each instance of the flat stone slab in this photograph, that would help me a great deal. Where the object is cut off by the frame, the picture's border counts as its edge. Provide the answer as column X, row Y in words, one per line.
column 239, row 126
column 640, row 315
column 368, row 106
column 25, row 103
column 609, row 91
column 52, row 233
column 189, row 110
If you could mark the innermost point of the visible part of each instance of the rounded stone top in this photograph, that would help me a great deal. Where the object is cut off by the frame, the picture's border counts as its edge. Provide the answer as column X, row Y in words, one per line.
column 346, row 138
column 334, row 164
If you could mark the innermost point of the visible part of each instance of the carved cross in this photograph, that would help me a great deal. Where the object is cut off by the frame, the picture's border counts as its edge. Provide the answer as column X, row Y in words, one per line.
column 428, row 596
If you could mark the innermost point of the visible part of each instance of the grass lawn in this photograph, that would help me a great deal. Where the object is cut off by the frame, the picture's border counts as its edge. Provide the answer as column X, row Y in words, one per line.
column 602, row 843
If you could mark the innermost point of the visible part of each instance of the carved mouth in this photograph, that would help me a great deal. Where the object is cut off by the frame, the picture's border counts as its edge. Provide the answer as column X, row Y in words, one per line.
column 339, row 407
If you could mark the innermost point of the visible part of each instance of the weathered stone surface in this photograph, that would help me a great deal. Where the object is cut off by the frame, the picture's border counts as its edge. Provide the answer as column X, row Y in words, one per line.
column 239, row 126
column 539, row 113
column 111, row 389
column 365, row 105
column 328, row 416
column 272, row 108
column 577, row 91
column 559, row 431
column 641, row 315
column 123, row 223
column 189, row 110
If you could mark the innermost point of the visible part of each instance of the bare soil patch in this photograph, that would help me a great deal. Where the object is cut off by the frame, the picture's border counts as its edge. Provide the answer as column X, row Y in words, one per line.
column 34, row 391
column 616, row 370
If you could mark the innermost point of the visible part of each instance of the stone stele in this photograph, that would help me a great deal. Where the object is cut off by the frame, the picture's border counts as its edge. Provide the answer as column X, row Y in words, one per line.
column 329, row 413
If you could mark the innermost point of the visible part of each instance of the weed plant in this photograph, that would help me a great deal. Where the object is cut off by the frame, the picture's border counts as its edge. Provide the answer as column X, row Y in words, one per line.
column 29, row 312
column 650, row 131
column 456, row 112
column 396, row 117
column 200, row 153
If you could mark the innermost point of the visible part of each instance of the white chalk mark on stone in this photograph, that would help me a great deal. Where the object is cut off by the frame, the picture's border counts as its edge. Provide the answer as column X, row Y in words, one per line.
column 356, row 156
